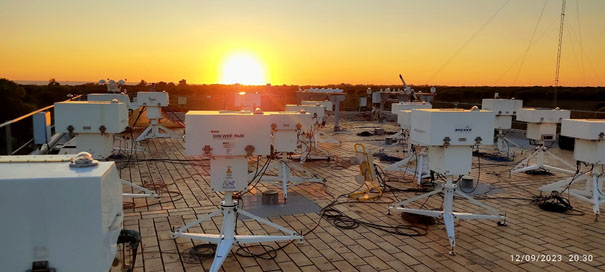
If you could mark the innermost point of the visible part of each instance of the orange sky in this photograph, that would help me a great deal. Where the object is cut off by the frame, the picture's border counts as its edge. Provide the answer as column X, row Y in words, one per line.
column 303, row 42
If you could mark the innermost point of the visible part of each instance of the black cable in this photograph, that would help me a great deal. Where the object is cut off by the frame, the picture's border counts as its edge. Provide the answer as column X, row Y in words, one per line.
column 258, row 175
column 340, row 220
column 176, row 116
column 343, row 221
column 555, row 202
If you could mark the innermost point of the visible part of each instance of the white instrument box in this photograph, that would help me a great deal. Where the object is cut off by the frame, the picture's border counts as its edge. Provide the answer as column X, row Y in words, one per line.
column 248, row 100
column 285, row 127
column 590, row 139
column 290, row 120
column 70, row 217
column 152, row 99
column 532, row 115
column 227, row 133
column 436, row 127
column 318, row 110
column 404, row 119
column 506, row 107
column 91, row 117
column 327, row 104
column 229, row 174
column 542, row 123
column 451, row 160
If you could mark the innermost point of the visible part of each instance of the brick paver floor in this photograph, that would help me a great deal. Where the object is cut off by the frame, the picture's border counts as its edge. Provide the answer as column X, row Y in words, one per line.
column 481, row 244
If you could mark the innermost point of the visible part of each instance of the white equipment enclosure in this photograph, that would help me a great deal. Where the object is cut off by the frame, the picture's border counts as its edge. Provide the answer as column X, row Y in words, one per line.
column 542, row 127
column 247, row 101
column 94, row 122
column 286, row 129
column 153, row 103
column 317, row 111
column 589, row 149
column 227, row 133
column 334, row 96
column 69, row 217
column 450, row 135
column 327, row 104
column 504, row 109
column 122, row 98
column 229, row 138
column 152, row 99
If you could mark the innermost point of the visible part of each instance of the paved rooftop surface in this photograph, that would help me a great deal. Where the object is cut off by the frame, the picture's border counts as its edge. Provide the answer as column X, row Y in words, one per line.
column 481, row 244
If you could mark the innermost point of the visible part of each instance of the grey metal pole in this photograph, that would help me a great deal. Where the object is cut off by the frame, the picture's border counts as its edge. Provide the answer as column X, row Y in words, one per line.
column 336, row 116
column 9, row 140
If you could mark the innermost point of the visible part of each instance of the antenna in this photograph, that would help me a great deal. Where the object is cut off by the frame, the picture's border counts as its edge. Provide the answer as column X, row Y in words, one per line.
column 554, row 100
column 408, row 90
column 404, row 85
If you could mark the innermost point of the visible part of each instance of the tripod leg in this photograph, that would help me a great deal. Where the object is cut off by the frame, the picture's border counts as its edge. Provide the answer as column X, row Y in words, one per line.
column 596, row 196
column 285, row 174
column 419, row 171
column 222, row 250
column 143, row 135
column 448, row 215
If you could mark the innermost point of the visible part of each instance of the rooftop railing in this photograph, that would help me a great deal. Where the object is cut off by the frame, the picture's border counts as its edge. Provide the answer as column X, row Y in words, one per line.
column 8, row 133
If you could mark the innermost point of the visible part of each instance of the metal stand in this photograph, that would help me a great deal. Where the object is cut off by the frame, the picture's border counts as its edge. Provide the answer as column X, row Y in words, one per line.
column 421, row 170
column 593, row 186
column 284, row 174
column 540, row 152
column 309, row 145
column 131, row 146
column 155, row 130
column 336, row 99
column 449, row 189
column 504, row 144
column 228, row 235
column 147, row 192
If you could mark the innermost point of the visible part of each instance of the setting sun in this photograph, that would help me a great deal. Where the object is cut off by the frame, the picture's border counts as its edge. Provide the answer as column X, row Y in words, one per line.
column 242, row 68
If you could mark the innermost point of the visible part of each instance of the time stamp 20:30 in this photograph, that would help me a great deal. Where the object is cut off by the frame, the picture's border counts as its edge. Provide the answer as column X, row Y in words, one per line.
column 551, row 258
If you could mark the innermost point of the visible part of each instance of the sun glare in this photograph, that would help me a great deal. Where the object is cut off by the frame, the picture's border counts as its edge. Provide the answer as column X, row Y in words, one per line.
column 242, row 68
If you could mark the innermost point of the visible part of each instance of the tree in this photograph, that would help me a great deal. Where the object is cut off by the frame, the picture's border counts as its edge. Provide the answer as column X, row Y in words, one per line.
column 53, row 82
column 15, row 98
column 182, row 82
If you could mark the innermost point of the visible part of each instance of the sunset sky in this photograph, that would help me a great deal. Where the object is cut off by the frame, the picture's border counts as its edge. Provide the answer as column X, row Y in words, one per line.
column 302, row 42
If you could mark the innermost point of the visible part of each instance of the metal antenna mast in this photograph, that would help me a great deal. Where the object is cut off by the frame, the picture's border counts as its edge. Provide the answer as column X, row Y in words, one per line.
column 559, row 54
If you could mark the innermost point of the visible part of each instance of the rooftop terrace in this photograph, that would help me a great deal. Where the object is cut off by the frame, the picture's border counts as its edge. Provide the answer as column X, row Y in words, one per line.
column 481, row 244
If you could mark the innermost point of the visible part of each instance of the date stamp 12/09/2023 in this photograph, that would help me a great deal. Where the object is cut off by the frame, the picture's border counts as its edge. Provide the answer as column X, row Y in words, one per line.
column 522, row 258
